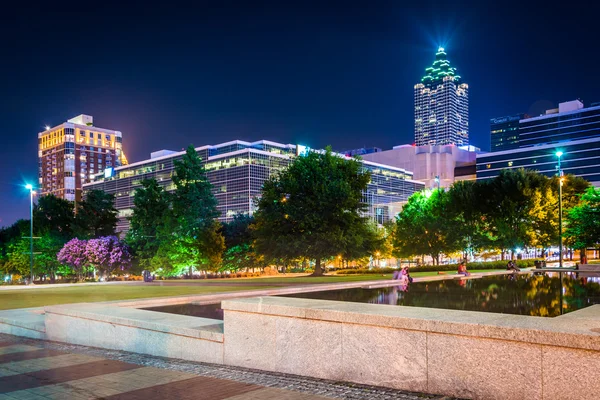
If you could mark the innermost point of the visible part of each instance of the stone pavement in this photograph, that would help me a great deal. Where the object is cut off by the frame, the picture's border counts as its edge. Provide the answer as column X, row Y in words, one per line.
column 40, row 370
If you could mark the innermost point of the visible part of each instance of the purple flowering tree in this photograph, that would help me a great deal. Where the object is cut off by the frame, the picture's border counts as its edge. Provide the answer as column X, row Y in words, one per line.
column 74, row 255
column 108, row 254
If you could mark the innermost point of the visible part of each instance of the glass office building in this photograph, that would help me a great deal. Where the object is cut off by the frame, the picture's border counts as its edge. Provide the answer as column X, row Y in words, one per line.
column 571, row 121
column 504, row 132
column 571, row 128
column 580, row 158
column 237, row 171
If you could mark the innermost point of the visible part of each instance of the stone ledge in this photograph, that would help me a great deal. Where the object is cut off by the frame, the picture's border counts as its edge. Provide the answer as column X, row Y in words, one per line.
column 182, row 325
column 581, row 333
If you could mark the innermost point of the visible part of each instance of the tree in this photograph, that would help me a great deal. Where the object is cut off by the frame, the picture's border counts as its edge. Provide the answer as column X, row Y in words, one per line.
column 509, row 203
column 583, row 221
column 96, row 215
column 191, row 234
column 313, row 209
column 425, row 227
column 107, row 254
column 74, row 255
column 54, row 216
column 465, row 207
column 151, row 207
column 239, row 247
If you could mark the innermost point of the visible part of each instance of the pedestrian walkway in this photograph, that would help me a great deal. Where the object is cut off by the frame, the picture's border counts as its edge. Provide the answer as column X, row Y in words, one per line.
column 39, row 370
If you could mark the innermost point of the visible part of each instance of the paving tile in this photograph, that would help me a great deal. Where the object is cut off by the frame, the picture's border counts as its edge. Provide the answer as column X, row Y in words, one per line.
column 64, row 374
column 199, row 388
column 39, row 364
column 16, row 348
column 27, row 355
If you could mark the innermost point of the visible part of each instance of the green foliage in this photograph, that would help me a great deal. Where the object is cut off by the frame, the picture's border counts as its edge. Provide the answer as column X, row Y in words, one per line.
column 96, row 215
column 583, row 220
column 426, row 226
column 190, row 235
column 151, row 207
column 313, row 210
column 54, row 216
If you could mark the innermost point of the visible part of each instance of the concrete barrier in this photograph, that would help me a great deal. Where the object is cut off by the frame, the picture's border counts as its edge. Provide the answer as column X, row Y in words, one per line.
column 456, row 353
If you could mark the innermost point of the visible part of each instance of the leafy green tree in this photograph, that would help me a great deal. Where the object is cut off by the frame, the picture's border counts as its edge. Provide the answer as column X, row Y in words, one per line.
column 54, row 216
column 509, row 204
column 151, row 207
column 465, row 207
column 96, row 215
column 191, row 234
column 313, row 209
column 583, row 221
column 426, row 227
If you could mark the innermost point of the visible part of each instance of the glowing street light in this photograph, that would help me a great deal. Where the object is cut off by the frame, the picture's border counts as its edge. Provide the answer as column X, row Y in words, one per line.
column 560, row 183
column 31, row 193
column 47, row 127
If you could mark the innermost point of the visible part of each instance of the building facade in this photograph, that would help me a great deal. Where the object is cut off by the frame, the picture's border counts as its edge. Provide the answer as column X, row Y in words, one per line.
column 571, row 129
column 441, row 105
column 237, row 171
column 504, row 132
column 431, row 165
column 70, row 154
column 580, row 158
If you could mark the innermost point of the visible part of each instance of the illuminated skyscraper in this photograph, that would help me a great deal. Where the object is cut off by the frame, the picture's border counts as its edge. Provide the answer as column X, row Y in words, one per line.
column 71, row 153
column 441, row 105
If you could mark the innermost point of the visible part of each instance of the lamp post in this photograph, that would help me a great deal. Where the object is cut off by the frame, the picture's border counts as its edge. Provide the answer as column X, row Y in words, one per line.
column 437, row 181
column 31, row 192
column 560, row 182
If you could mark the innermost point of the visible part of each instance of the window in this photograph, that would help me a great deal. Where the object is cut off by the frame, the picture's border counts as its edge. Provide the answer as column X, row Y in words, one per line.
column 488, row 166
column 91, row 134
column 510, row 163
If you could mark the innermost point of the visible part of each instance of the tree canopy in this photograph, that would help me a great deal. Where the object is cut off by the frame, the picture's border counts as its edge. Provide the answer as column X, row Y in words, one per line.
column 313, row 209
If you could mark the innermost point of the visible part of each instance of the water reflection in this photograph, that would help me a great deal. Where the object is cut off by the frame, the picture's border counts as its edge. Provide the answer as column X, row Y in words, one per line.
column 538, row 295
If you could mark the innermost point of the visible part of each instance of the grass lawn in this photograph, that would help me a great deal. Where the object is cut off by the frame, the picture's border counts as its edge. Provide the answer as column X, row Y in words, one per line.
column 10, row 299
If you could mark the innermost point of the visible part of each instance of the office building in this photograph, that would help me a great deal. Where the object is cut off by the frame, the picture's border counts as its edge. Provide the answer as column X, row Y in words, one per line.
column 571, row 129
column 361, row 152
column 580, row 158
column 70, row 154
column 504, row 132
column 431, row 165
column 237, row 171
column 441, row 105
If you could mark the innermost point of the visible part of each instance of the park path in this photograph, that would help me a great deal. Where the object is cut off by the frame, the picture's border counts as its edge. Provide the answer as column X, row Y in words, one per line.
column 39, row 370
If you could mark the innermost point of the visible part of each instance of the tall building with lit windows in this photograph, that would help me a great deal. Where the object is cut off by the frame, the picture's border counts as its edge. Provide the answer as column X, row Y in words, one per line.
column 70, row 154
column 237, row 171
column 441, row 105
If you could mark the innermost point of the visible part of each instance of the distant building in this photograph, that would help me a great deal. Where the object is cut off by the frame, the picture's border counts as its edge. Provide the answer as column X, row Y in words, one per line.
column 431, row 164
column 360, row 152
column 580, row 158
column 441, row 105
column 571, row 128
column 504, row 132
column 70, row 154
column 237, row 171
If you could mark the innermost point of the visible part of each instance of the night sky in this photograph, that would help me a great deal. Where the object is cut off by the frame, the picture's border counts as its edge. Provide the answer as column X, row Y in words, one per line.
column 316, row 73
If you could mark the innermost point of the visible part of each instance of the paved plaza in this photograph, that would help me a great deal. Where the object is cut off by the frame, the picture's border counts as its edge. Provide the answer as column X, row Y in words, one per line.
column 40, row 370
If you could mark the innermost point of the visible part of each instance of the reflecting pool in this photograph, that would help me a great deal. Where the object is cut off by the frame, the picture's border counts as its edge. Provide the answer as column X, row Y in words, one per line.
column 538, row 295
column 212, row 311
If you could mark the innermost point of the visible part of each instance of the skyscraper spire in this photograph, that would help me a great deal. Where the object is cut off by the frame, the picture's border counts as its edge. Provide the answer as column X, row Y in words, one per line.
column 441, row 105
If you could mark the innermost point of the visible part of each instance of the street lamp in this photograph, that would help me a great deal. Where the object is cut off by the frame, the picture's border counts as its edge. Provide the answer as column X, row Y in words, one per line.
column 560, row 182
column 31, row 193
column 437, row 181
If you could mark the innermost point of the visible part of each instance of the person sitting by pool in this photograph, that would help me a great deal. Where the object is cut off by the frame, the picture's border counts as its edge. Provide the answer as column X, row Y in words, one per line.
column 512, row 266
column 462, row 269
column 407, row 273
